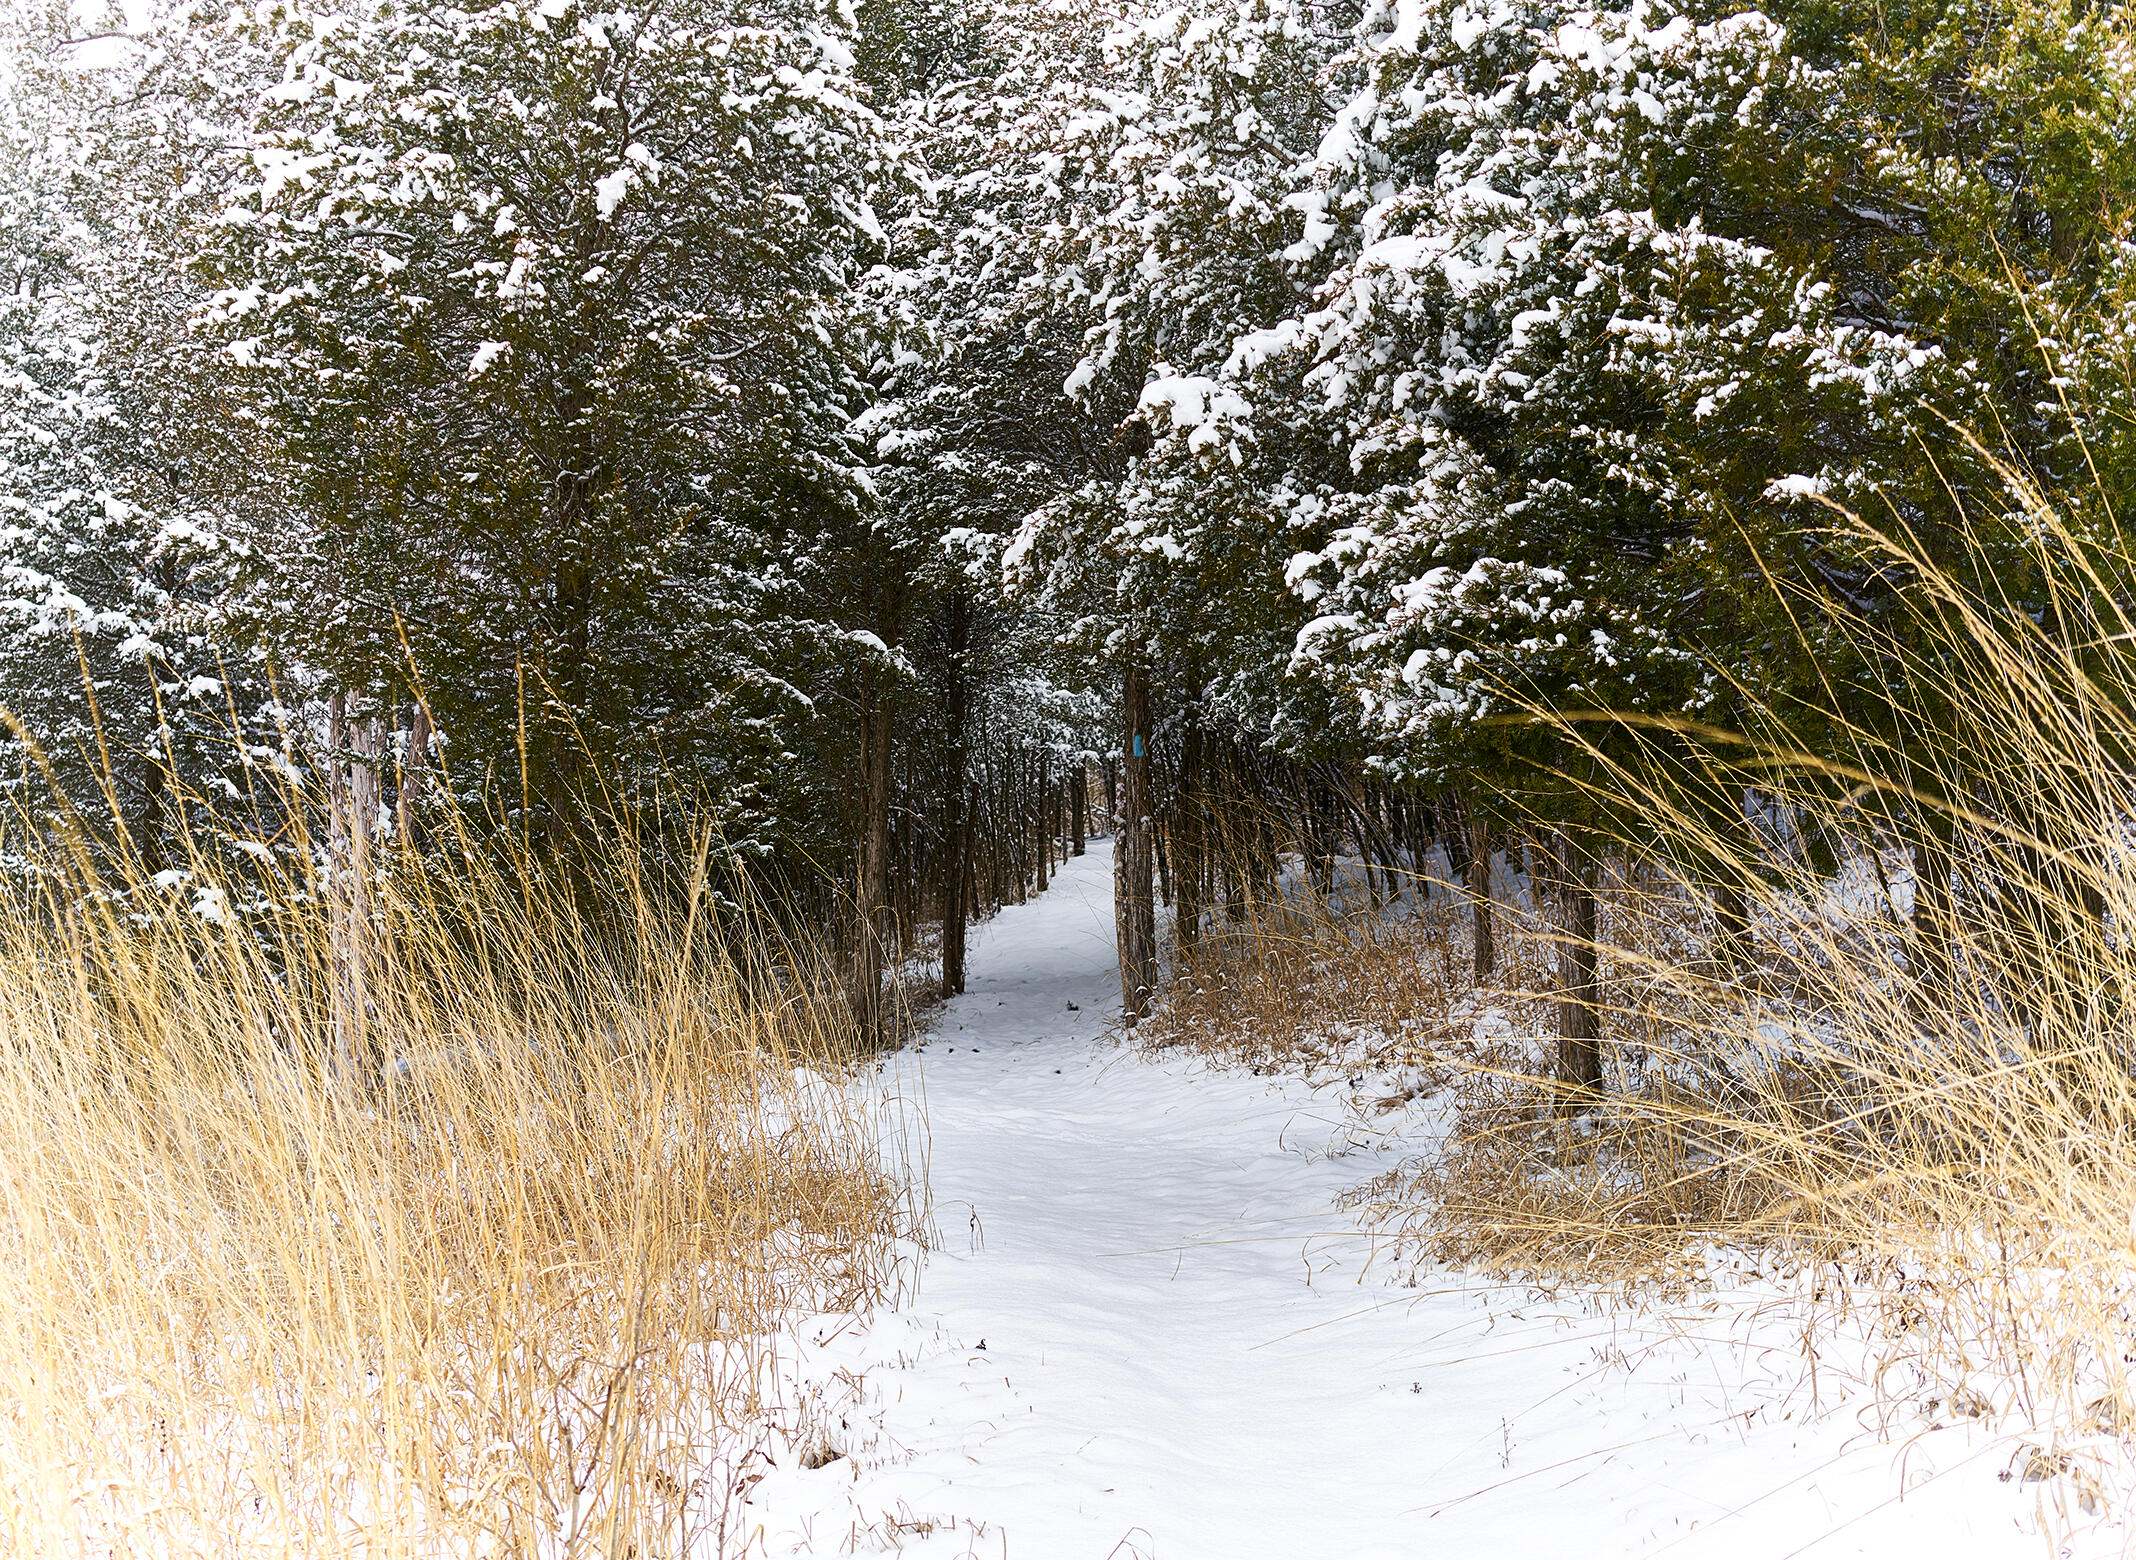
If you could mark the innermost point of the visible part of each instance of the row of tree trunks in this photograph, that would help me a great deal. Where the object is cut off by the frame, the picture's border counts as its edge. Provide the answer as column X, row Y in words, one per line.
column 1010, row 821
column 1174, row 857
column 949, row 829
column 1211, row 835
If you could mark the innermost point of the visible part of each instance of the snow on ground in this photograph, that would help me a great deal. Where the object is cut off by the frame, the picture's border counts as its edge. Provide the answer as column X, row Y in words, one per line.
column 1148, row 1332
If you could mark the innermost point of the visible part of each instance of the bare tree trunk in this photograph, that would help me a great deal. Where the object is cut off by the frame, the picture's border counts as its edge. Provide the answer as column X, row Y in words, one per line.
column 871, row 873
column 414, row 777
column 1014, row 827
column 1731, row 927
column 1043, row 817
column 1935, row 912
column 1188, row 843
column 1079, row 802
column 355, row 746
column 960, row 800
column 1161, row 847
column 155, row 792
column 1237, row 846
column 1134, row 909
column 974, row 880
column 1483, row 922
column 1578, row 1009
column 951, row 887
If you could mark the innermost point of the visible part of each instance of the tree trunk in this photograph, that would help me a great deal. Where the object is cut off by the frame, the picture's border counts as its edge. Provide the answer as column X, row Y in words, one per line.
column 1134, row 909
column 355, row 746
column 414, row 777
column 1079, row 803
column 1483, row 921
column 871, row 870
column 1578, row 1011
column 960, row 797
column 1322, row 840
column 155, row 791
column 1042, row 816
column 1013, row 826
column 1731, row 928
column 1935, row 919
column 1188, row 842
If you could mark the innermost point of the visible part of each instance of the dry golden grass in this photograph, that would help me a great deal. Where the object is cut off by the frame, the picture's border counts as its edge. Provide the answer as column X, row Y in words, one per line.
column 515, row 1290
column 1940, row 1095
column 1292, row 978
column 1934, row 1103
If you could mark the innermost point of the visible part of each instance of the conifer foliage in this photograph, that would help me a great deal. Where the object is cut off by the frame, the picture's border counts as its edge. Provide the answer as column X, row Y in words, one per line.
column 919, row 434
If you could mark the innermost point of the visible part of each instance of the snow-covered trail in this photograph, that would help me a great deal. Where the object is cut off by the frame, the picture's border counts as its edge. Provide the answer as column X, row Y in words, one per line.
column 1149, row 1331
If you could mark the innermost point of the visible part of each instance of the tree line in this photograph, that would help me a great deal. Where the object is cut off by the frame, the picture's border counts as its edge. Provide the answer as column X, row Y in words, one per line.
column 874, row 430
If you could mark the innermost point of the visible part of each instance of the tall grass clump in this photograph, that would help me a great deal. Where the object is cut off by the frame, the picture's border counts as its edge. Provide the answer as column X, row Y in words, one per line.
column 511, row 1285
column 1301, row 978
column 1868, row 975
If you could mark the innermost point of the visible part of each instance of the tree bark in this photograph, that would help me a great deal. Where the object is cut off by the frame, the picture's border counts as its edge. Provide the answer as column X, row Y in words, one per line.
column 155, row 791
column 1578, row 1010
column 959, row 796
column 1731, row 928
column 1042, row 817
column 1935, row 918
column 1134, row 908
column 1161, row 848
column 354, row 747
column 1013, row 827
column 871, row 873
column 1483, row 920
column 414, row 777
column 1188, row 842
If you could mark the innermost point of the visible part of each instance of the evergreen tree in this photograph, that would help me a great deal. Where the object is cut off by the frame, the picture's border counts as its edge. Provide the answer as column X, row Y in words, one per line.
column 538, row 306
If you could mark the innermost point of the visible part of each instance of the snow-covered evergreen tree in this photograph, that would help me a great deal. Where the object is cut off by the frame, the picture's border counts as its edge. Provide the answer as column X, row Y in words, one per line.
column 538, row 307
column 129, row 696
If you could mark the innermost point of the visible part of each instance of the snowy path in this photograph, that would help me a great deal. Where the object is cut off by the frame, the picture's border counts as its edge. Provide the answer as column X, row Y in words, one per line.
column 1145, row 1334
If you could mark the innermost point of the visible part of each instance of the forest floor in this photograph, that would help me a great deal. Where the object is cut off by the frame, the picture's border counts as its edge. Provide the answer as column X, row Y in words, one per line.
column 1149, row 1329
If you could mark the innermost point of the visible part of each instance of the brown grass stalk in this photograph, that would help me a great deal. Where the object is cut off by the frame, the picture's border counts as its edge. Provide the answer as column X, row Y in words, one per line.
column 517, row 1290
